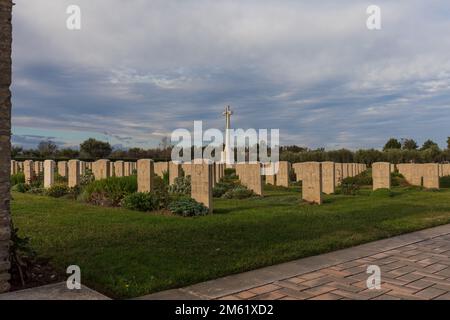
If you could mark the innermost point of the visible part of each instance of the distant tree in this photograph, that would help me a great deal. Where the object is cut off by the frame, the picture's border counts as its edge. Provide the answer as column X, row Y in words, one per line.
column 409, row 144
column 392, row 144
column 429, row 144
column 136, row 153
column 16, row 150
column 95, row 149
column 368, row 156
column 47, row 148
column 448, row 143
column 69, row 153
column 293, row 148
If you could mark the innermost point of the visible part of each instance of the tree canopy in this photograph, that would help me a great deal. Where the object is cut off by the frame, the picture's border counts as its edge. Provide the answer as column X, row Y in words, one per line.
column 92, row 148
column 429, row 144
column 409, row 144
column 392, row 144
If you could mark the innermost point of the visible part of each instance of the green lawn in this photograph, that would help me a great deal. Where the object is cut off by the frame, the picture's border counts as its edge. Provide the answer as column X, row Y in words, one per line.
column 127, row 254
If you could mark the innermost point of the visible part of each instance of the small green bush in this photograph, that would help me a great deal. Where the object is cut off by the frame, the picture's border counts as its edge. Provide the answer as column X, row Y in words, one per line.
column 17, row 178
column 36, row 190
column 21, row 187
column 352, row 185
column 221, row 188
column 363, row 179
column 165, row 177
column 59, row 179
column 87, row 178
column 74, row 192
column 229, row 172
column 141, row 201
column 350, row 189
column 444, row 182
column 37, row 182
column 239, row 192
column 57, row 190
column 181, row 185
column 397, row 180
column 188, row 208
column 110, row 191
column 161, row 192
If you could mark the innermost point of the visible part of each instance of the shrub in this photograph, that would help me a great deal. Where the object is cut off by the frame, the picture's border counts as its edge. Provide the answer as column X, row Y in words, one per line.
column 87, row 178
column 36, row 190
column 21, row 187
column 229, row 172
column 21, row 256
column 239, row 192
column 57, row 190
column 188, row 208
column 165, row 177
column 17, row 178
column 161, row 191
column 73, row 192
column 110, row 191
column 351, row 185
column 141, row 201
column 37, row 182
column 221, row 188
column 444, row 182
column 363, row 179
column 398, row 180
column 60, row 179
column 349, row 188
column 181, row 185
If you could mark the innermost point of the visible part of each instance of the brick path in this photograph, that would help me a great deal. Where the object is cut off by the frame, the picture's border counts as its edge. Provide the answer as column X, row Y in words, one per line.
column 417, row 271
column 413, row 266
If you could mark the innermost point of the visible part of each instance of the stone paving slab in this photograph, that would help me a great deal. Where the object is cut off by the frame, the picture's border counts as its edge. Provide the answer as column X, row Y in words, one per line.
column 413, row 266
column 56, row 291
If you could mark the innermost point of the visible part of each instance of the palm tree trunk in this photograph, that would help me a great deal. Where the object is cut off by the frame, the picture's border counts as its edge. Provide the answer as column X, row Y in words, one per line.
column 5, row 139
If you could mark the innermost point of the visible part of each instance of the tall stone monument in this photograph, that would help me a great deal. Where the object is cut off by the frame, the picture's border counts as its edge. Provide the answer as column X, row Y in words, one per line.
column 227, row 154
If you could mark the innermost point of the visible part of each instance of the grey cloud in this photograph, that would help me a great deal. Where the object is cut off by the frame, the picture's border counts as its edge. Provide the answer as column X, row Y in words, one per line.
column 28, row 141
column 143, row 68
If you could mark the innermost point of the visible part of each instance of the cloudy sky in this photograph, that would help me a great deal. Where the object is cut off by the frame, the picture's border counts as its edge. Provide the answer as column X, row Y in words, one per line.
column 139, row 69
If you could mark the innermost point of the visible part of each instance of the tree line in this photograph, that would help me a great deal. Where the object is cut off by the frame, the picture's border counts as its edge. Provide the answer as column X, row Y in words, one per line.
column 394, row 151
column 91, row 149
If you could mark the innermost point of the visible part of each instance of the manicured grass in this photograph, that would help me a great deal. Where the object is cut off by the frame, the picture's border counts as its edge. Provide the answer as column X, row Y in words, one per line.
column 127, row 254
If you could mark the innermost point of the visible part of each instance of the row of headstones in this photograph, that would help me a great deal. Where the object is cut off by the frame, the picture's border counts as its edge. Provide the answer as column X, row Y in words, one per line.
column 417, row 174
column 203, row 176
column 320, row 178
column 102, row 169
column 72, row 170
column 317, row 177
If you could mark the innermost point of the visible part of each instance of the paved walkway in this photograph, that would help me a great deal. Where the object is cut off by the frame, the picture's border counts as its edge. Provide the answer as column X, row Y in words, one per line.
column 413, row 266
